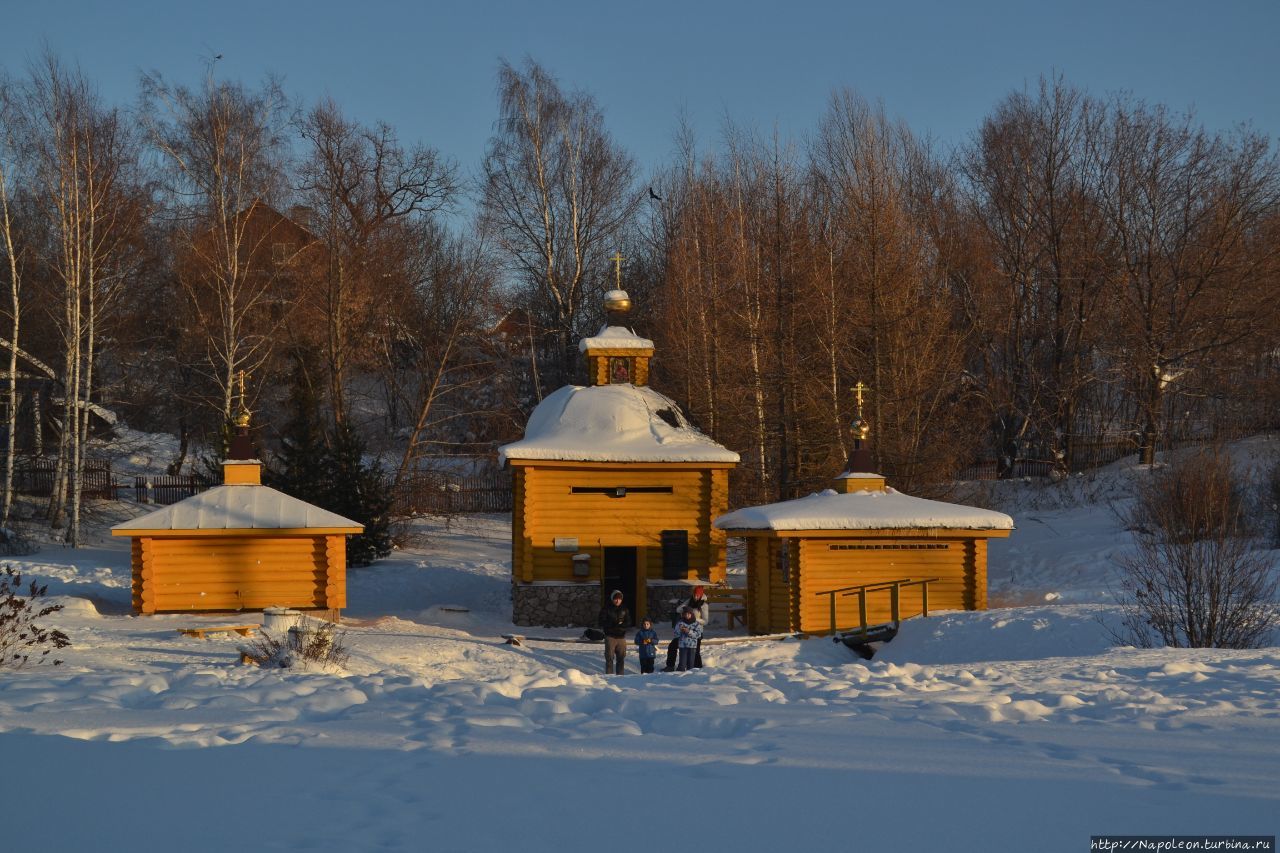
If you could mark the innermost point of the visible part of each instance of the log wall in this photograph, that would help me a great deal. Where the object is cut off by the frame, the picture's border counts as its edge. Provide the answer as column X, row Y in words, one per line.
column 787, row 573
column 218, row 573
column 546, row 508
column 827, row 565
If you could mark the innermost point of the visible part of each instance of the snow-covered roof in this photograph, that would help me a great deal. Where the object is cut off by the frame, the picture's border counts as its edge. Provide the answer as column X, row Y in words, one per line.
column 238, row 508
column 614, row 337
column 612, row 423
column 865, row 510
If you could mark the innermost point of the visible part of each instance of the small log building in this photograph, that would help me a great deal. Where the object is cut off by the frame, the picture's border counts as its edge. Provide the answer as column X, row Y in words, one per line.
column 808, row 557
column 239, row 546
column 613, row 489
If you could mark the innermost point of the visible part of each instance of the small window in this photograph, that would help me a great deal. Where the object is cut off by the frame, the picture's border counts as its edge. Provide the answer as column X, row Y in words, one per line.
column 675, row 554
column 281, row 253
column 620, row 491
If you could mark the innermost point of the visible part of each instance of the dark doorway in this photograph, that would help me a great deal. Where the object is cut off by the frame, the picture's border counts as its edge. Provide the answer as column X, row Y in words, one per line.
column 620, row 573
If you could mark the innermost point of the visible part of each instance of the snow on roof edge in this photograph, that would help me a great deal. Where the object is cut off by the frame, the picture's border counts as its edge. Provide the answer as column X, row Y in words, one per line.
column 238, row 507
column 612, row 423
column 864, row 510
column 614, row 337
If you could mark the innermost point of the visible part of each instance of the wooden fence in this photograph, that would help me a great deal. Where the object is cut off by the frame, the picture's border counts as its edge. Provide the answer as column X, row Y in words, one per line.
column 432, row 492
column 165, row 489
column 35, row 477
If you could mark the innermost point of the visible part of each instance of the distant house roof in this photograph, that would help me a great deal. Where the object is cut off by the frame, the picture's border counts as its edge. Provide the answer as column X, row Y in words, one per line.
column 867, row 510
column 247, row 507
column 614, row 337
column 612, row 423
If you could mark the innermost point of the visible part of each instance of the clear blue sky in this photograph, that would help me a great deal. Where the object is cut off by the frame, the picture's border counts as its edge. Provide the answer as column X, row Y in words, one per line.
column 429, row 68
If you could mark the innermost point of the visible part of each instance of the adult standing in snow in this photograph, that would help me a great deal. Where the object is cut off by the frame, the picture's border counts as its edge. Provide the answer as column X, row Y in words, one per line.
column 702, row 613
column 614, row 619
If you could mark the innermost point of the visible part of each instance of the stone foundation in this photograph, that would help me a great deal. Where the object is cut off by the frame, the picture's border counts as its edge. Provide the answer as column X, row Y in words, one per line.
column 556, row 605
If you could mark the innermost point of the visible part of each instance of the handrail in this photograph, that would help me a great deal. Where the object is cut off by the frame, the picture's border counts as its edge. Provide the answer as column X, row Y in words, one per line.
column 894, row 587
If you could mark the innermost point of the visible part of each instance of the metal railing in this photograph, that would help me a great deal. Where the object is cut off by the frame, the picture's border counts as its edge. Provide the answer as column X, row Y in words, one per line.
column 895, row 596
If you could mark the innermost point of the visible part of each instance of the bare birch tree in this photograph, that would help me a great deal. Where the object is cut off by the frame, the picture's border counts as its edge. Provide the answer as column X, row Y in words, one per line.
column 223, row 147
column 12, row 253
column 84, row 161
column 557, row 192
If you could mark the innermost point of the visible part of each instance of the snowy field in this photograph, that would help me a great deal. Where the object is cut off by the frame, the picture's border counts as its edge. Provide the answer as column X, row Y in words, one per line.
column 1019, row 728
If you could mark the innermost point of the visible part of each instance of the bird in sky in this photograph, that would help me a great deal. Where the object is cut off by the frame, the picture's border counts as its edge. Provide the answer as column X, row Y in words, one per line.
column 653, row 195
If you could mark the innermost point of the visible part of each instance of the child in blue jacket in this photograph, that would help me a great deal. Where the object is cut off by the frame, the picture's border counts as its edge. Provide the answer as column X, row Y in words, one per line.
column 688, row 632
column 647, row 645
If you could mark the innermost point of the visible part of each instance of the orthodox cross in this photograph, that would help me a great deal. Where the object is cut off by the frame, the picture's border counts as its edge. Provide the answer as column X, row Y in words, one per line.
column 858, row 389
column 617, row 263
column 861, row 429
column 242, row 419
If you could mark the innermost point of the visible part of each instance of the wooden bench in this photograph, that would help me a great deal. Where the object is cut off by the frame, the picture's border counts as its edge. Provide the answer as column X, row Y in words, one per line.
column 242, row 630
column 731, row 601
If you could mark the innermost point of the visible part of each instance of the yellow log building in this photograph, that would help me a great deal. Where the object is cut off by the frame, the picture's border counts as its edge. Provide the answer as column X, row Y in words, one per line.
column 614, row 489
column 804, row 555
column 239, row 546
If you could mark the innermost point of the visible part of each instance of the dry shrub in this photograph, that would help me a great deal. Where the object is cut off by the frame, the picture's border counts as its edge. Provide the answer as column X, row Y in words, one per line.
column 1197, row 578
column 20, row 636
column 406, row 534
column 313, row 642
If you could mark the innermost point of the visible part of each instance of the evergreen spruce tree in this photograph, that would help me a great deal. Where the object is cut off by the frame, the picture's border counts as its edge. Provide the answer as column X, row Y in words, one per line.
column 302, row 468
column 360, row 492
column 332, row 474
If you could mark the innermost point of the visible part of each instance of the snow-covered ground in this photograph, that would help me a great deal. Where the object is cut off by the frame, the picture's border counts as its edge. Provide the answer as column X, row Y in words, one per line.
column 1021, row 727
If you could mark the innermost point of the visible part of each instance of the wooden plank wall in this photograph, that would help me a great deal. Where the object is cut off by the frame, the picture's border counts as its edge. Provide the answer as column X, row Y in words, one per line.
column 825, row 568
column 335, row 589
column 546, row 508
column 238, row 573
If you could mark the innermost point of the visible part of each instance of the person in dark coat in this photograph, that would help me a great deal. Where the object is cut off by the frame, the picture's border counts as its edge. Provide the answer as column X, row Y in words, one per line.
column 702, row 612
column 614, row 620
